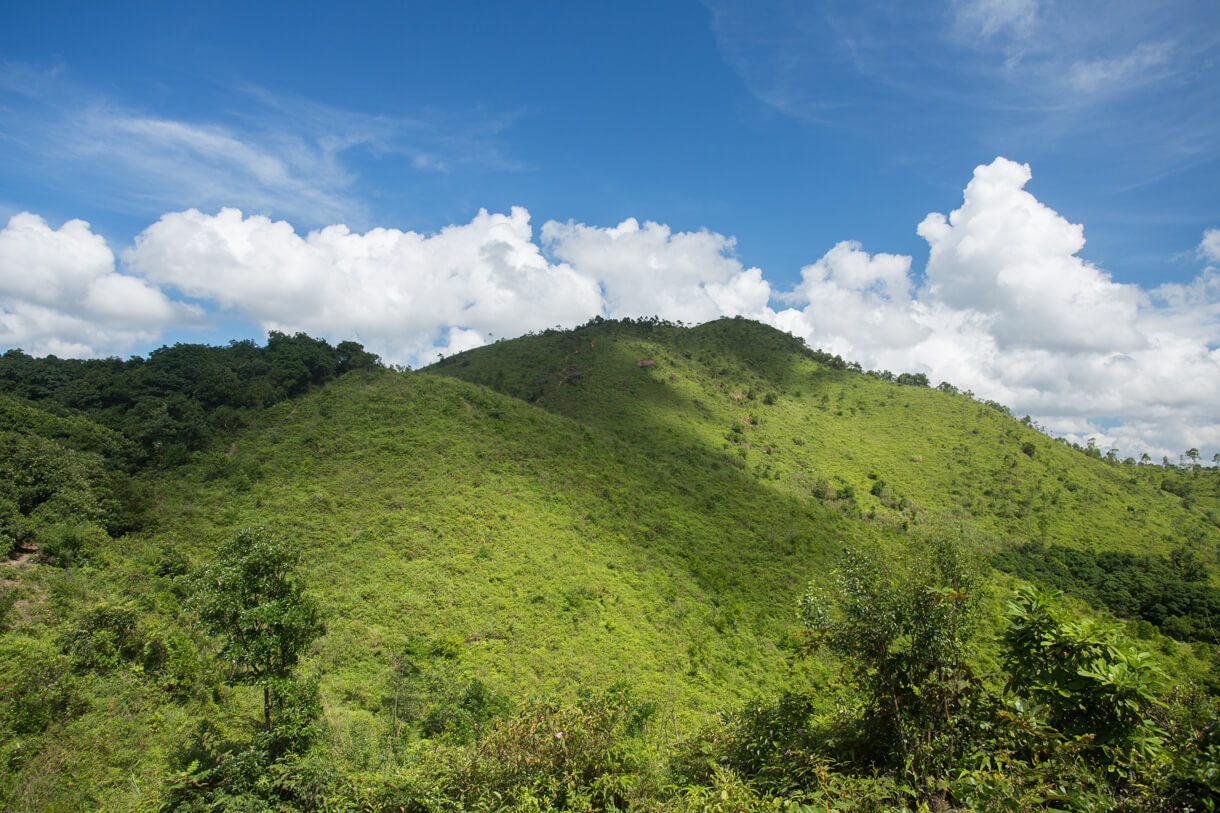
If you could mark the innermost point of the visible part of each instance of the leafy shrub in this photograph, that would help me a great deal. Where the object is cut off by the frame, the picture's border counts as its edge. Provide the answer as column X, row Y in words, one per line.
column 466, row 715
column 103, row 637
column 37, row 686
column 1169, row 591
column 1082, row 678
column 903, row 643
column 273, row 771
column 775, row 745
column 558, row 757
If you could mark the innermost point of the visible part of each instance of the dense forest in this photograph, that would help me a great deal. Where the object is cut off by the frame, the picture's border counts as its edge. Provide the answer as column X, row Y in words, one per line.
column 627, row 565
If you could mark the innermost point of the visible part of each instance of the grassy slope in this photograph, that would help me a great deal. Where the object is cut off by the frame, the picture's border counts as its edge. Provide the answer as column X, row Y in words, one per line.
column 617, row 528
column 953, row 460
column 557, row 557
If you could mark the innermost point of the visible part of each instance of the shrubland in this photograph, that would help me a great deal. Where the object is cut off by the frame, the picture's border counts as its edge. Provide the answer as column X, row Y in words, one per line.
column 629, row 565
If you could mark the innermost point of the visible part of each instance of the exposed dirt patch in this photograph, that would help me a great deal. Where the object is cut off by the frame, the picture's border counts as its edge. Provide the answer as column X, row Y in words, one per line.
column 23, row 556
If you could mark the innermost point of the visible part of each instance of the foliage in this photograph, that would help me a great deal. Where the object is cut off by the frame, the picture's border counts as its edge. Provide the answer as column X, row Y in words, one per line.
column 560, row 757
column 1082, row 678
column 173, row 402
column 252, row 596
column 1169, row 591
column 903, row 641
column 274, row 771
column 776, row 743
column 536, row 517
column 54, row 486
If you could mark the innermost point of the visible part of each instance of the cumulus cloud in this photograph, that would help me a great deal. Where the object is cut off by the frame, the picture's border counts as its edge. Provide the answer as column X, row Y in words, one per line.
column 854, row 302
column 1009, row 310
column 60, row 293
column 1007, row 256
column 689, row 276
column 402, row 293
column 409, row 295
column 1005, row 306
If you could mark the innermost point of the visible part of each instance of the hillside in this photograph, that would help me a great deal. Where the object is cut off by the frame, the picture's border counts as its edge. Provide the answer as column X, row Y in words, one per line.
column 803, row 424
column 624, row 504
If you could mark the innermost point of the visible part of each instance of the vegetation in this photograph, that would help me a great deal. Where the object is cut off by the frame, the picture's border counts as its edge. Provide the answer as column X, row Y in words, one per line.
column 1171, row 592
column 630, row 565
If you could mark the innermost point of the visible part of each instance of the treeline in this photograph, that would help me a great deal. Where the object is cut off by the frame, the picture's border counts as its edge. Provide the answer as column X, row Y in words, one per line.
column 1169, row 592
column 170, row 403
column 73, row 432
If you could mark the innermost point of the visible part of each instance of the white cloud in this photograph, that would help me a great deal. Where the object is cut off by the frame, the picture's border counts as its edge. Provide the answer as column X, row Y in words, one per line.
column 1209, row 248
column 986, row 18
column 1008, row 257
column 853, row 302
column 1005, row 306
column 60, row 293
column 268, row 153
column 402, row 293
column 407, row 295
column 171, row 161
column 1097, row 74
column 1009, row 310
column 648, row 270
column 1127, row 92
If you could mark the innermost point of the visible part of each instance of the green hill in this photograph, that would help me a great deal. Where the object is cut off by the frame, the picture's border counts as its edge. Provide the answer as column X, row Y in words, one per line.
column 621, row 504
column 802, row 424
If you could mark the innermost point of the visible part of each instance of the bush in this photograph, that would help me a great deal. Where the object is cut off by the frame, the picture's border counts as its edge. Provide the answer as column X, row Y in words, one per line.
column 557, row 756
column 1083, row 679
column 103, row 637
column 903, row 644
column 774, row 745
column 37, row 687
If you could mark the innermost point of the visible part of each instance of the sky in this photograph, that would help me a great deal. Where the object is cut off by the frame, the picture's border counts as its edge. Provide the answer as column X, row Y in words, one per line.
column 1020, row 197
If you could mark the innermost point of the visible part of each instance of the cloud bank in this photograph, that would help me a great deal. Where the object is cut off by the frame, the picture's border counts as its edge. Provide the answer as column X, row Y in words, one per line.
column 60, row 293
column 1005, row 306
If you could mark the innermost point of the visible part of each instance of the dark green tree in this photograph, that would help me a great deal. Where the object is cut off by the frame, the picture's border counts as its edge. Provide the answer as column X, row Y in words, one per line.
column 253, row 597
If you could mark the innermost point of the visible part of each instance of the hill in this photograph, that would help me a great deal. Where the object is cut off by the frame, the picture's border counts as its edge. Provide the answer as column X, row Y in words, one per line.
column 806, row 425
column 623, row 504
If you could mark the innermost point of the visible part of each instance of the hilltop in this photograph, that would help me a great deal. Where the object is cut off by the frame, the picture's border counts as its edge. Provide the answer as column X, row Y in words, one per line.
column 807, row 425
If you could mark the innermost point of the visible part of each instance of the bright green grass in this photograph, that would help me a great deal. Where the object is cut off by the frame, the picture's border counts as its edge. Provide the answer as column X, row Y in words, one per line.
column 944, row 460
column 557, row 557
column 578, row 521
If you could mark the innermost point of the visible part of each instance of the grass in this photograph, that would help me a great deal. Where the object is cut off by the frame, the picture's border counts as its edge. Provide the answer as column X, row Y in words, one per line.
column 549, row 515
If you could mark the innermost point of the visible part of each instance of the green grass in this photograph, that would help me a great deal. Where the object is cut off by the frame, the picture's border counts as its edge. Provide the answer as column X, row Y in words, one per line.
column 802, row 428
column 549, row 515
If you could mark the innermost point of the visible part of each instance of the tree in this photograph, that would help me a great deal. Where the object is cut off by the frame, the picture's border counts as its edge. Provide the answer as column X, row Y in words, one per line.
column 253, row 597
column 904, row 642
column 1081, row 676
column 353, row 356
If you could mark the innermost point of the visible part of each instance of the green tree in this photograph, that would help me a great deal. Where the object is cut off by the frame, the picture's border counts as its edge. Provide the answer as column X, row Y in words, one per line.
column 252, row 596
column 1081, row 677
column 353, row 356
column 903, row 641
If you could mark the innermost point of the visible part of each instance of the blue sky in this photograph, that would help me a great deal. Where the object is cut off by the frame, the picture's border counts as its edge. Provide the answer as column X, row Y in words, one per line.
column 751, row 135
